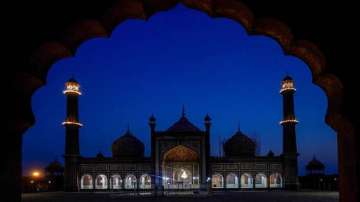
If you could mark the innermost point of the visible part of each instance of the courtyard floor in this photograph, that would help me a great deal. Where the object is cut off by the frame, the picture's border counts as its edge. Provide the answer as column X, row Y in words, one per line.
column 261, row 196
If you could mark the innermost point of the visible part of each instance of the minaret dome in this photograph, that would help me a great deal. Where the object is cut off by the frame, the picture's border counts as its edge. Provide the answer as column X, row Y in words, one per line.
column 287, row 85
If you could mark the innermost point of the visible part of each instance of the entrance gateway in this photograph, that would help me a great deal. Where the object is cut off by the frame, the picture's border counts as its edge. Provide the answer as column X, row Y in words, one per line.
column 180, row 156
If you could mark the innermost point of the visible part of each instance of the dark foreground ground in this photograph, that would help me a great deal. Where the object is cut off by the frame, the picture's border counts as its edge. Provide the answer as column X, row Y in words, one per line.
column 215, row 197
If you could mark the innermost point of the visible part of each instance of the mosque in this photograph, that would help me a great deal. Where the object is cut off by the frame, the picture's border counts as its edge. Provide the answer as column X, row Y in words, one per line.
column 180, row 156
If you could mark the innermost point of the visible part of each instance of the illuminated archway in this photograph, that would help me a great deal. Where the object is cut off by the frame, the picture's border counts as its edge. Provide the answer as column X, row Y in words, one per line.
column 101, row 182
column 217, row 181
column 130, row 182
column 86, row 182
column 115, row 182
column 260, row 180
column 232, row 181
column 145, row 181
column 180, row 168
column 276, row 180
column 246, row 181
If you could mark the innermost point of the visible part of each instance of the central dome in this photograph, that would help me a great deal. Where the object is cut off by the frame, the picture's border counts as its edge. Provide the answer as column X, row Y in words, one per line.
column 127, row 147
column 239, row 145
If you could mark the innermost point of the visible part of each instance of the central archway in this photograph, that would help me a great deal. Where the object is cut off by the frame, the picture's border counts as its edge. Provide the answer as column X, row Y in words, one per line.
column 180, row 168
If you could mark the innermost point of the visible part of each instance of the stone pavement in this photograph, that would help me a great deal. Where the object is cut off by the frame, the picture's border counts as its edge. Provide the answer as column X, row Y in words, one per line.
column 229, row 196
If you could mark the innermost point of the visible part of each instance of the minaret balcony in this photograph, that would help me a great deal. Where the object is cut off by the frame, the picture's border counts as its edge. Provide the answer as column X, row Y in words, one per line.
column 72, row 88
column 289, row 121
column 287, row 89
column 71, row 122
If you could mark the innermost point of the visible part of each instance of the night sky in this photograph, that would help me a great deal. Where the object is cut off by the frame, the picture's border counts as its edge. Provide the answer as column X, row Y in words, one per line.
column 179, row 57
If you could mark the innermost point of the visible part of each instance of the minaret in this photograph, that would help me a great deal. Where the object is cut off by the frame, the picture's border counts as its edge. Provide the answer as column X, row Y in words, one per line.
column 72, row 125
column 152, row 124
column 289, row 134
column 207, row 123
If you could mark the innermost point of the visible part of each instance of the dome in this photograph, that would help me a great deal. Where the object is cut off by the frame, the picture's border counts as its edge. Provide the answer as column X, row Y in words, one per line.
column 239, row 145
column 270, row 154
column 288, row 78
column 127, row 147
column 54, row 167
column 315, row 164
column 100, row 155
column 72, row 79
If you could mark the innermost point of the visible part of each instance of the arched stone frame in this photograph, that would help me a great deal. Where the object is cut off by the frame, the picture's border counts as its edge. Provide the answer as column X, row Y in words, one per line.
column 86, row 182
column 130, row 182
column 246, row 181
column 179, row 159
column 217, row 181
column 116, row 182
column 232, row 181
column 145, row 181
column 276, row 180
column 49, row 52
column 101, row 181
column 260, row 180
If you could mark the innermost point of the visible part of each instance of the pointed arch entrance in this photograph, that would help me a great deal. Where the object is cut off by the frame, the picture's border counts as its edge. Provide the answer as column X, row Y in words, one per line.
column 180, row 168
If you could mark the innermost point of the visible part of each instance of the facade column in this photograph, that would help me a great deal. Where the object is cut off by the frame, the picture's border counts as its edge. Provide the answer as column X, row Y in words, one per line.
column 254, row 181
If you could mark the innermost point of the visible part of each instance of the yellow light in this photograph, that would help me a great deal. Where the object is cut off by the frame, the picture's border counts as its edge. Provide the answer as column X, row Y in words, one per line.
column 71, row 92
column 36, row 174
column 289, row 121
column 184, row 174
column 287, row 86
column 71, row 123
column 287, row 89
column 72, row 88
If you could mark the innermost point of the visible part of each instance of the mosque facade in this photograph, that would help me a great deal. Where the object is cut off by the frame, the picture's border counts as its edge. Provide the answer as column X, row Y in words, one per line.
column 180, row 156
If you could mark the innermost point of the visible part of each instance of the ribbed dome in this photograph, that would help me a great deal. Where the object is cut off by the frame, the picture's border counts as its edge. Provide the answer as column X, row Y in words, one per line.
column 127, row 147
column 315, row 164
column 239, row 145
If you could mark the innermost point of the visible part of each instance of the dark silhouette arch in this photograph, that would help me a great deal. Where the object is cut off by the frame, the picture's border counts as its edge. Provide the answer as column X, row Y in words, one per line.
column 31, row 74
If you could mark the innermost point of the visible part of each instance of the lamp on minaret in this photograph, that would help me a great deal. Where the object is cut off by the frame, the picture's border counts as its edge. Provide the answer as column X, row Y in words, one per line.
column 289, row 134
column 72, row 125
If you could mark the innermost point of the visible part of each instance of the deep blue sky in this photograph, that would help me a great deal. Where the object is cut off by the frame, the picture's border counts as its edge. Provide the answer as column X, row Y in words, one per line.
column 179, row 57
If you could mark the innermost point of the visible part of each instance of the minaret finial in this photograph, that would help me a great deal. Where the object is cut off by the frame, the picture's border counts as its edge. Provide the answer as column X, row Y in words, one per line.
column 183, row 111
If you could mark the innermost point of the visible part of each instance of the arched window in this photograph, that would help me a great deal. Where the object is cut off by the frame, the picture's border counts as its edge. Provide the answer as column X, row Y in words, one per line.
column 232, row 181
column 101, row 182
column 260, row 181
column 86, row 182
column 130, row 182
column 246, row 181
column 145, row 182
column 115, row 182
column 275, row 180
column 217, row 181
